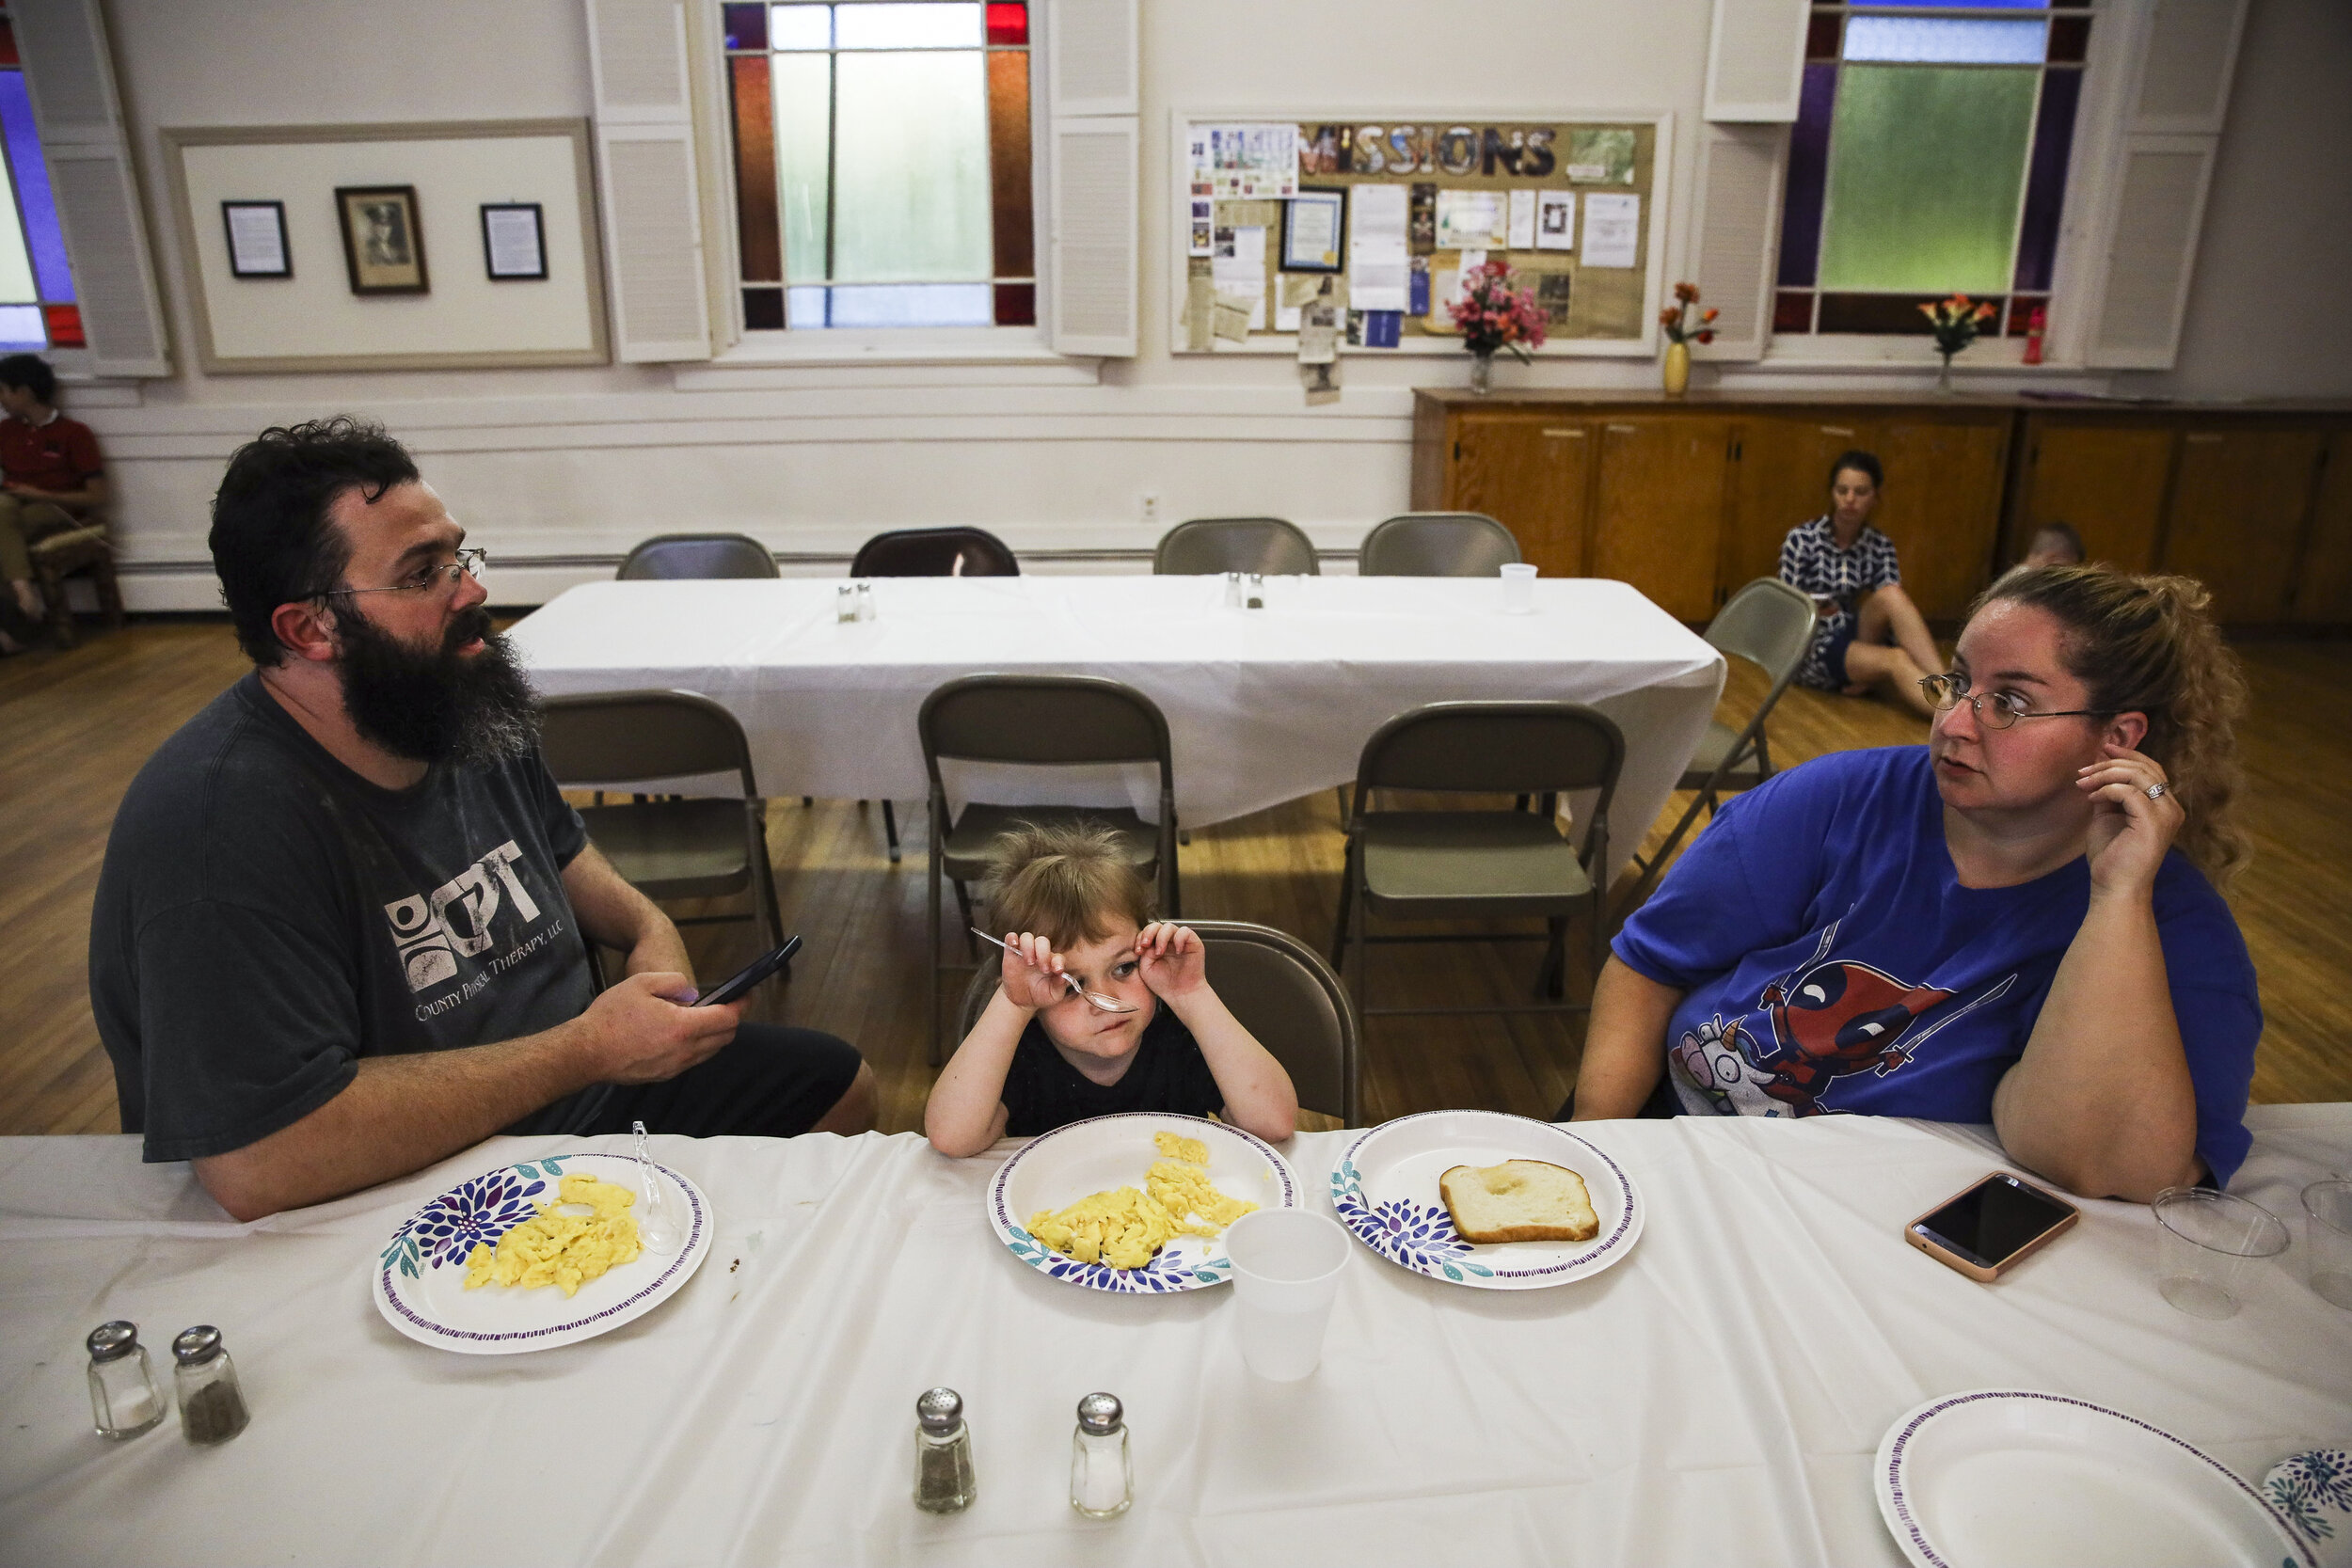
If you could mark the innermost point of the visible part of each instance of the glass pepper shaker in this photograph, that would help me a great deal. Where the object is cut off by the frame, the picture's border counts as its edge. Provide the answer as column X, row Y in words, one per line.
column 845, row 604
column 211, row 1402
column 944, row 1482
column 124, row 1399
column 1257, row 590
column 1102, row 1471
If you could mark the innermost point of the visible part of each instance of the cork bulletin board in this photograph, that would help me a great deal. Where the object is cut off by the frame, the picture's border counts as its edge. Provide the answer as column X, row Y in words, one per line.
column 1314, row 207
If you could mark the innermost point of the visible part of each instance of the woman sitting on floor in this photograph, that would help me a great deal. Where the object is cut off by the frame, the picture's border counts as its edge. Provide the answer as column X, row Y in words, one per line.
column 1870, row 635
column 2015, row 923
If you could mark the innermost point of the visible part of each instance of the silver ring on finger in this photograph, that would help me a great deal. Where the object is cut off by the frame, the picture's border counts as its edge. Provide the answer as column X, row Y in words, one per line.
column 2155, row 791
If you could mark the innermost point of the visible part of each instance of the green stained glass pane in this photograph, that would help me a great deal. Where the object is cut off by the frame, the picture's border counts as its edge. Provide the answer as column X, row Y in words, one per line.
column 1924, row 168
column 804, row 90
column 911, row 172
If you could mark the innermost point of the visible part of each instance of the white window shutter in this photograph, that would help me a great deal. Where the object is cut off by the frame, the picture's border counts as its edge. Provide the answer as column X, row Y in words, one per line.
column 2185, row 75
column 1093, row 180
column 68, row 74
column 1736, row 251
column 1756, row 60
column 646, row 180
column 1094, row 58
column 2151, row 250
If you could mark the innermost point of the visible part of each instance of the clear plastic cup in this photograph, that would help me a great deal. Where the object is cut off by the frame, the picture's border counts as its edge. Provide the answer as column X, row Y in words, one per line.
column 2328, row 1231
column 1519, row 589
column 1286, row 1274
column 2207, row 1244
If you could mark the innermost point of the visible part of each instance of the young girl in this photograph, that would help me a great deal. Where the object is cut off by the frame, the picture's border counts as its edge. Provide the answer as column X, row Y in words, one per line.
column 1043, row 1057
column 1870, row 635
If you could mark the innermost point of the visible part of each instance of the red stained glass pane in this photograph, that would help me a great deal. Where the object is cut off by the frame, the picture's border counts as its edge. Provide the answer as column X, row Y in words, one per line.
column 1897, row 314
column 1014, row 233
column 760, row 237
column 1821, row 37
column 65, row 325
column 1792, row 312
column 2021, row 309
column 746, row 25
column 7, row 42
column 763, row 310
column 2070, row 40
column 1016, row 304
column 1008, row 23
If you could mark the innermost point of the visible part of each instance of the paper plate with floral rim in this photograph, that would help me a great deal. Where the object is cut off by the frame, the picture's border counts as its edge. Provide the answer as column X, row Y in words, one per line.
column 1102, row 1153
column 419, row 1277
column 1384, row 1190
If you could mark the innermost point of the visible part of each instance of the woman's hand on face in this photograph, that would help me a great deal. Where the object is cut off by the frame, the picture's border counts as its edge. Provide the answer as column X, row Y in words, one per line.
column 1033, row 974
column 2129, row 831
column 1172, row 959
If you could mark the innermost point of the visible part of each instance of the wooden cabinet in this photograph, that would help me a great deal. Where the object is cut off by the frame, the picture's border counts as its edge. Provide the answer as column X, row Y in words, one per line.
column 1531, row 472
column 2323, row 586
column 1659, row 505
column 2106, row 482
column 2240, row 502
column 1689, row 498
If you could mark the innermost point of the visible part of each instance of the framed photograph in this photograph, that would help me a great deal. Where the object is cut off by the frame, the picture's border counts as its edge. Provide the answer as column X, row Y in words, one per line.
column 514, row 246
column 1315, row 229
column 383, row 242
column 257, row 239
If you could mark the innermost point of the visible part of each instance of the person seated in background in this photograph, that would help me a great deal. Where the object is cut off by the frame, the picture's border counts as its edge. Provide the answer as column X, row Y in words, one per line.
column 51, row 480
column 341, row 930
column 1043, row 1056
column 2015, row 923
column 1869, row 635
column 2054, row 544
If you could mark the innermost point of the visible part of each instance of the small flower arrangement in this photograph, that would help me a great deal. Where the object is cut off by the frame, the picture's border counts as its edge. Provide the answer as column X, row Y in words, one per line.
column 1676, row 319
column 1956, row 325
column 1493, row 315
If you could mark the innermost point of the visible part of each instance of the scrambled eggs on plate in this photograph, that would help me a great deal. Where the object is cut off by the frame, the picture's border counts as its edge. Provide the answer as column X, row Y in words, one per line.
column 555, row 1248
column 1126, row 1228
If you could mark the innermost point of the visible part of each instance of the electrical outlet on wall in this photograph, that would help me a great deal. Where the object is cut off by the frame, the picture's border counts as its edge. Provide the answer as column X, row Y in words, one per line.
column 1152, row 506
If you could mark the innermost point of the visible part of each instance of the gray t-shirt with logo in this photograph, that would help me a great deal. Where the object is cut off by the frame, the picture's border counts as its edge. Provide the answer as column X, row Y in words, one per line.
column 266, row 917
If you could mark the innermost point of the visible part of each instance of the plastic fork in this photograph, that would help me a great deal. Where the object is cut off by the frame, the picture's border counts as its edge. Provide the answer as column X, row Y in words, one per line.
column 657, row 1227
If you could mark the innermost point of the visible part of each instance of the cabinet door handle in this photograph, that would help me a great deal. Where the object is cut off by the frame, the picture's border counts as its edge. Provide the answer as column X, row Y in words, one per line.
column 1836, row 430
column 2203, row 438
column 1568, row 433
column 1625, row 430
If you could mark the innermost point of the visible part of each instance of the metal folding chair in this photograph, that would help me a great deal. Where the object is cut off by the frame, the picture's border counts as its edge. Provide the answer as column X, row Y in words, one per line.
column 1206, row 547
column 680, row 556
column 1437, row 545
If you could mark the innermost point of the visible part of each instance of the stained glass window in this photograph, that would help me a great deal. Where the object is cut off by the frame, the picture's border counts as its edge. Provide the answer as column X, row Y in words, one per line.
column 36, row 305
column 882, row 163
column 1928, row 158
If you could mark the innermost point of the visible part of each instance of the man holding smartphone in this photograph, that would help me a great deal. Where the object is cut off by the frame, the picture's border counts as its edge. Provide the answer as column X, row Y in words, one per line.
column 341, row 930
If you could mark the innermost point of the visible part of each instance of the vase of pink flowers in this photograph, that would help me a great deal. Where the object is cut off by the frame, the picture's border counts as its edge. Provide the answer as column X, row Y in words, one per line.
column 1492, row 317
column 1956, row 322
column 1683, row 330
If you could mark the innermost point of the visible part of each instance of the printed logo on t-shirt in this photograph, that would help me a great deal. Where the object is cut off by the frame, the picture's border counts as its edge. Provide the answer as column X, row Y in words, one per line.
column 433, row 929
column 1830, row 1019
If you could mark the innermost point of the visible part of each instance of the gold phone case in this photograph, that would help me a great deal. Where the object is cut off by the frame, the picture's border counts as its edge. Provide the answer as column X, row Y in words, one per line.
column 1986, row 1274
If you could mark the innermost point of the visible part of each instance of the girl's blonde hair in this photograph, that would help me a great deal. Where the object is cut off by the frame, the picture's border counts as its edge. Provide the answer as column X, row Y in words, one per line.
column 1066, row 883
column 2145, row 644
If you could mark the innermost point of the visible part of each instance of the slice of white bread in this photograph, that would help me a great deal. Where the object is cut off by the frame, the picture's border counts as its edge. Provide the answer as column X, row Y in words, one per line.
column 1519, row 1200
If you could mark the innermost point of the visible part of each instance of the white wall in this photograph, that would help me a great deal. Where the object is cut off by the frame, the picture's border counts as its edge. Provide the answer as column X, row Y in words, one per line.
column 567, row 468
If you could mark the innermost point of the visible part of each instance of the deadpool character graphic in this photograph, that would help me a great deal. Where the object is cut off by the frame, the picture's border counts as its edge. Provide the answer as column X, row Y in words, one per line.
column 1837, row 1017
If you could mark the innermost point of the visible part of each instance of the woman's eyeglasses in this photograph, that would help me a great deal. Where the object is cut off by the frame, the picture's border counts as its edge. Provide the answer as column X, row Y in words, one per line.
column 441, row 575
column 1995, row 711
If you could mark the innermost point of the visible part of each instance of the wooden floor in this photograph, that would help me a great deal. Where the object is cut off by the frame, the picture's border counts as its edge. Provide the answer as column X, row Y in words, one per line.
column 77, row 726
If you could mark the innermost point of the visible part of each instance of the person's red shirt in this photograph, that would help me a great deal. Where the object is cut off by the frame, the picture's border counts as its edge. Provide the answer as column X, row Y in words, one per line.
column 59, row 456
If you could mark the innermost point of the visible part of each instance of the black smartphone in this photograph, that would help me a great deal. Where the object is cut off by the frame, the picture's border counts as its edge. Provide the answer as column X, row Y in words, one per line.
column 1983, row 1230
column 732, row 988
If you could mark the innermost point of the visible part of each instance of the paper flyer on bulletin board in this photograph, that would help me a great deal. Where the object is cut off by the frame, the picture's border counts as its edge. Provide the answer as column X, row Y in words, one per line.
column 1574, row 206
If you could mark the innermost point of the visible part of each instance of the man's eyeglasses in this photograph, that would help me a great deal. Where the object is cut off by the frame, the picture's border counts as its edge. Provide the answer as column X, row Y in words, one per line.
column 424, row 579
column 1995, row 711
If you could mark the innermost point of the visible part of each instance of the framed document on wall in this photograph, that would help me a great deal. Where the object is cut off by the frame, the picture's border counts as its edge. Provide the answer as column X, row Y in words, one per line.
column 383, row 243
column 514, row 246
column 257, row 239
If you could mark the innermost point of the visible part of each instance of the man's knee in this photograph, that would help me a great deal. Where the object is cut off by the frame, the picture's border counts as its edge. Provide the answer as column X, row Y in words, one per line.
column 853, row 1113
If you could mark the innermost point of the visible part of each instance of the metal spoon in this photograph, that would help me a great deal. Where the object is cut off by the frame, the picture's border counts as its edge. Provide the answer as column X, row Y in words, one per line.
column 658, row 1228
column 1100, row 1001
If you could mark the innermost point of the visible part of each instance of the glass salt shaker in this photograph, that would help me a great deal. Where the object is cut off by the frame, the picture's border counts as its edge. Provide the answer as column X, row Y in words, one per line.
column 1102, row 1471
column 865, row 601
column 1233, row 590
column 123, row 1396
column 845, row 604
column 944, row 1482
column 211, row 1402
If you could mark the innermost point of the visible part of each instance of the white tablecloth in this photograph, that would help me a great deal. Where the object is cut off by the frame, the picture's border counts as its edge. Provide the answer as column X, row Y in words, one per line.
column 1262, row 705
column 1715, row 1398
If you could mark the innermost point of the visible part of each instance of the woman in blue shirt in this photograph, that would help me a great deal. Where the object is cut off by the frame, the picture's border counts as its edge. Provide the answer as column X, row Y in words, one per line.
column 2015, row 924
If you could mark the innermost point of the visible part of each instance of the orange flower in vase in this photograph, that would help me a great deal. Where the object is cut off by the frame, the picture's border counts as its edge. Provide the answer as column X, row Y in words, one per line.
column 1955, row 323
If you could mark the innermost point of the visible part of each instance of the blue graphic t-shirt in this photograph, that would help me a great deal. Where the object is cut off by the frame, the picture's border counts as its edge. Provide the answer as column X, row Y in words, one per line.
column 1830, row 960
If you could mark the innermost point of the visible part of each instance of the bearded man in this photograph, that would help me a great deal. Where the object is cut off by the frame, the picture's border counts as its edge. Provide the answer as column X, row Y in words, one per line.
column 341, row 931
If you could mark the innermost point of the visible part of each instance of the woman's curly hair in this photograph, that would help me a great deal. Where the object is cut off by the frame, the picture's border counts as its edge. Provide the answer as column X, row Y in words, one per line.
column 2145, row 644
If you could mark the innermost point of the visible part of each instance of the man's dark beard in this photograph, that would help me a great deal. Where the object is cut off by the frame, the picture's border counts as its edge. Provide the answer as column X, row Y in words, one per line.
column 443, row 706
